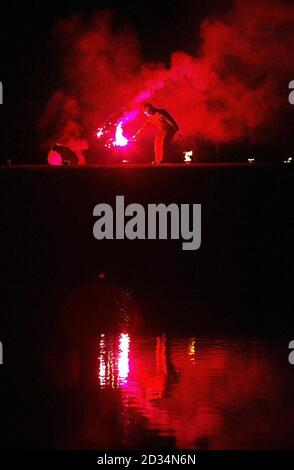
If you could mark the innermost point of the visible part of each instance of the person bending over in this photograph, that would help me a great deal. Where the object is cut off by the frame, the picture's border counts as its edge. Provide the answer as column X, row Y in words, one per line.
column 167, row 128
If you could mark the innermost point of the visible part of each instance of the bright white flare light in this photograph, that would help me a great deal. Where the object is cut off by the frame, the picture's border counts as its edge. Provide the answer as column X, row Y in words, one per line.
column 120, row 139
column 188, row 156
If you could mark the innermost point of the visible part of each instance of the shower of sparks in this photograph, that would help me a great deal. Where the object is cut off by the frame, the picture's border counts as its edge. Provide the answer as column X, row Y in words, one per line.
column 112, row 134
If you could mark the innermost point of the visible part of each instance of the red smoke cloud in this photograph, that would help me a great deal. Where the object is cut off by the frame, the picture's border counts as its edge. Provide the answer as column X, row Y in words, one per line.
column 234, row 87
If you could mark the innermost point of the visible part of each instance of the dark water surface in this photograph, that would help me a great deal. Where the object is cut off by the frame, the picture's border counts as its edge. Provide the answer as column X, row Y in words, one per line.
column 188, row 392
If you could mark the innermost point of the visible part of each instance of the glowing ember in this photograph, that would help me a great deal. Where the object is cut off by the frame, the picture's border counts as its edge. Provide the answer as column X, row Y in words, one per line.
column 120, row 139
column 100, row 133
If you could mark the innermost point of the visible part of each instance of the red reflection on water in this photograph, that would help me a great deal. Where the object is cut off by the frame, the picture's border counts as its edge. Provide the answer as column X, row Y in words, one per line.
column 123, row 358
column 214, row 393
column 211, row 395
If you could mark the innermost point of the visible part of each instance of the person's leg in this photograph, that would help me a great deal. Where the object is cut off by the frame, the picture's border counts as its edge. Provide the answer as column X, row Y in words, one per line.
column 159, row 147
column 166, row 148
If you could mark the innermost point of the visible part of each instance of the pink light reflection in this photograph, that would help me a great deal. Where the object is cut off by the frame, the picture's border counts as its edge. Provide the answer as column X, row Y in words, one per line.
column 123, row 358
column 113, row 360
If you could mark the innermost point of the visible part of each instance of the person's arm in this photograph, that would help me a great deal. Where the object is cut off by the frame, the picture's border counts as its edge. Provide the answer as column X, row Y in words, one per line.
column 142, row 129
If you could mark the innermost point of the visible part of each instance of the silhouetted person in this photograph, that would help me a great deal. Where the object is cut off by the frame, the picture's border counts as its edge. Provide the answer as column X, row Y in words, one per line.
column 66, row 154
column 166, row 126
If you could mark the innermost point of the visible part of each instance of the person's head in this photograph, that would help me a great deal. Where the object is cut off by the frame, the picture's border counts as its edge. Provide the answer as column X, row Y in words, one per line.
column 149, row 109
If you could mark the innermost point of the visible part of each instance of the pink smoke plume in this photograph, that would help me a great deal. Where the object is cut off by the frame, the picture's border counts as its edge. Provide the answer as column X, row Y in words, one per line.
column 232, row 88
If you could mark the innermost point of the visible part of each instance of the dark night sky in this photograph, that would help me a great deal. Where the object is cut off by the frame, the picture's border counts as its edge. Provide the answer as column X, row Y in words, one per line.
column 29, row 70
